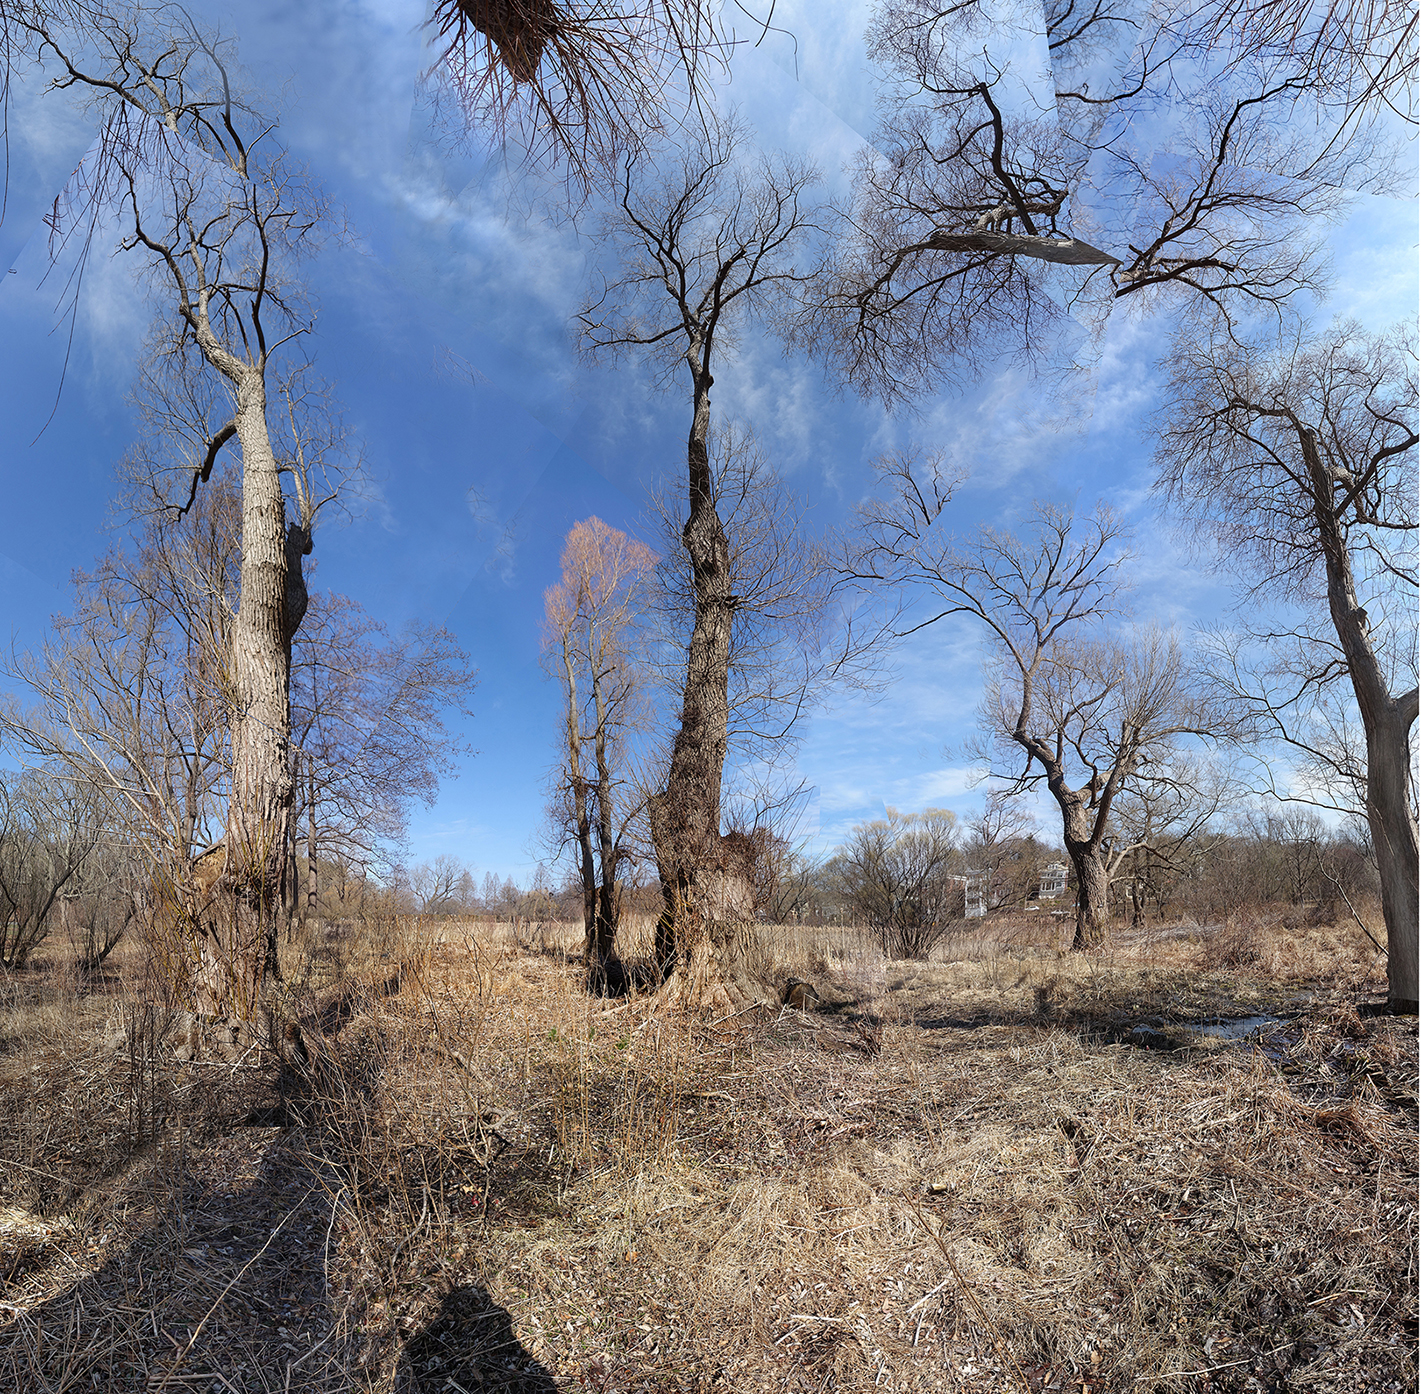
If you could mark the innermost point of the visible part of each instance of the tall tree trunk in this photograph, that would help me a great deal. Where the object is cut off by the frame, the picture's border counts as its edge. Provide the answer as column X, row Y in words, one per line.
column 238, row 950
column 1387, row 721
column 1393, row 829
column 703, row 897
column 602, row 943
column 582, row 817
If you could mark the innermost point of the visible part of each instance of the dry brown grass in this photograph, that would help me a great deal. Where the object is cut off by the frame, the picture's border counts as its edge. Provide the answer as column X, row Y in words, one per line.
column 959, row 1178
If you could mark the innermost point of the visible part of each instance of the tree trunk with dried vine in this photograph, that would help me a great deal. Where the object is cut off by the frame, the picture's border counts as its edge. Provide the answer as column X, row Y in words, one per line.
column 706, row 891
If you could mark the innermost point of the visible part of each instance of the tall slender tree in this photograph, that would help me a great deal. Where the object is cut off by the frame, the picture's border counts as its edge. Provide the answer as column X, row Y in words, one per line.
column 594, row 642
column 205, row 197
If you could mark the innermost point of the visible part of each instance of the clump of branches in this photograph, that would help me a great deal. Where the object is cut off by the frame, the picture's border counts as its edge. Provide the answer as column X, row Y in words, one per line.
column 576, row 84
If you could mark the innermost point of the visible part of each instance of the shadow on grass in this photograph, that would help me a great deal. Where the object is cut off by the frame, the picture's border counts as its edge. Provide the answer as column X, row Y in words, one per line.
column 470, row 1344
column 223, row 1284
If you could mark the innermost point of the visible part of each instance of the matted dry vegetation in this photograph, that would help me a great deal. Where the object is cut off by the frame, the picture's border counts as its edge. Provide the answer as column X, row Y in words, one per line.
column 961, row 1175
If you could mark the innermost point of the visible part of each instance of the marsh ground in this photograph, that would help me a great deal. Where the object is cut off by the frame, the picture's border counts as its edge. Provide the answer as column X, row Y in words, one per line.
column 966, row 1174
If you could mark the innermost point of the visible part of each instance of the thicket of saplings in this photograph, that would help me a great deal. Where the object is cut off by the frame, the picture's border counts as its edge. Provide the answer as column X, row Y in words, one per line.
column 478, row 1172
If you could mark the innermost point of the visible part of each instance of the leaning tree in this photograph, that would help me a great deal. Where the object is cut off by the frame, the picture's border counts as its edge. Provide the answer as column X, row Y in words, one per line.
column 1299, row 463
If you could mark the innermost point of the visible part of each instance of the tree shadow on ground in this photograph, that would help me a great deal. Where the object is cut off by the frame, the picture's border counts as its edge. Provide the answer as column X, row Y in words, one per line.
column 224, row 1282
column 470, row 1344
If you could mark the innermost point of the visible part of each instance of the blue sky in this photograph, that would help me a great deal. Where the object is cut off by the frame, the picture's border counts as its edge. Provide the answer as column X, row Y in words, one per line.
column 475, row 482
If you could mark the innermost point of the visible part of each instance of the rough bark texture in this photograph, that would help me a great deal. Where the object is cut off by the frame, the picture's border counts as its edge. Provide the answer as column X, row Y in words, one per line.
column 1084, row 818
column 1083, row 835
column 705, row 892
column 262, row 785
column 1065, row 251
column 600, row 944
column 1092, row 894
column 607, row 908
column 1387, row 721
column 238, row 951
column 313, row 885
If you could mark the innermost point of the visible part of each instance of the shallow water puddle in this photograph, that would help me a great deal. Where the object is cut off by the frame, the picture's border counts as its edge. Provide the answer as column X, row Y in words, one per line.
column 1234, row 1030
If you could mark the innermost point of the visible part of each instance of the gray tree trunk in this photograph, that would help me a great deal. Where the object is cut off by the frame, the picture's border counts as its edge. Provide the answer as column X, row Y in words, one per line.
column 1387, row 721
column 606, row 909
column 238, row 950
column 1083, row 821
column 1082, row 836
column 312, row 875
column 1092, row 894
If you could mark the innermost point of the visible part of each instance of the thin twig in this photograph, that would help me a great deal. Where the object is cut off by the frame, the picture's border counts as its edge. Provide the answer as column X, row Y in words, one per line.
column 1321, row 865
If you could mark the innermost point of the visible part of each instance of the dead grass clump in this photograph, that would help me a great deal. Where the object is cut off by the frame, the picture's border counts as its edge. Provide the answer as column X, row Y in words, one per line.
column 1238, row 944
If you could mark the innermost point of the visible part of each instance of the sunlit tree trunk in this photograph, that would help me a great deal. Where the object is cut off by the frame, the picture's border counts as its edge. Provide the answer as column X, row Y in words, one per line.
column 313, row 885
column 1387, row 721
column 704, row 898
column 238, row 950
column 1082, row 836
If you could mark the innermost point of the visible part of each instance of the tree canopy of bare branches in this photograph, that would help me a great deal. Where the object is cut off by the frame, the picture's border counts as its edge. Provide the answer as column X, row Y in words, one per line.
column 131, row 691
column 369, row 736
column 1082, row 710
column 1186, row 149
column 902, row 875
column 1300, row 464
column 576, row 82
column 49, row 825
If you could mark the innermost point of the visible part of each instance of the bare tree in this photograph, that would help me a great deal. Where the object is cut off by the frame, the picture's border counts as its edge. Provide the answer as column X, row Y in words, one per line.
column 1095, row 717
column 48, row 826
column 1088, row 712
column 131, row 693
column 1178, row 149
column 111, row 894
column 205, row 196
column 1000, row 849
column 902, row 874
column 132, row 701
column 1300, row 464
column 369, row 735
column 701, row 249
column 1165, row 821
column 594, row 642
column 436, row 884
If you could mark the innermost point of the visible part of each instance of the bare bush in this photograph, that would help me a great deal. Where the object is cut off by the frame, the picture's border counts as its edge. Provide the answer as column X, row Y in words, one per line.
column 902, row 874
